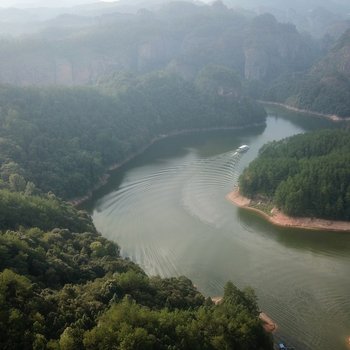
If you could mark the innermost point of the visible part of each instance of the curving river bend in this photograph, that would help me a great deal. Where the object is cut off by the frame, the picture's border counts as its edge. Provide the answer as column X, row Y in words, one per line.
column 168, row 212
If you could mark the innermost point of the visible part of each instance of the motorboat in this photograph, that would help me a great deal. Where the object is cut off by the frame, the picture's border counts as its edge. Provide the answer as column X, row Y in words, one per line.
column 243, row 148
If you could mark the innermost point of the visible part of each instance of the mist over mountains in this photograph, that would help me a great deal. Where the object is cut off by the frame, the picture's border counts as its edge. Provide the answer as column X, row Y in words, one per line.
column 87, row 86
column 265, row 42
column 43, row 3
column 180, row 37
column 316, row 17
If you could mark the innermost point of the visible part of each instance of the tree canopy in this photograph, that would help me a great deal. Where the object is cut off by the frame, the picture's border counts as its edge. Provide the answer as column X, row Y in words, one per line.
column 64, row 139
column 305, row 175
column 69, row 288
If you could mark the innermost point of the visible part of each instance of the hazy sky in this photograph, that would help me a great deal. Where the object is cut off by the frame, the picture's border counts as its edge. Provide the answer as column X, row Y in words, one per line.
column 44, row 3
column 244, row 3
column 52, row 3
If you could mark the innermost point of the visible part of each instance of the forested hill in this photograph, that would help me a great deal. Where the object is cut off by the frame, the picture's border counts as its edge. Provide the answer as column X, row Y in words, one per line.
column 326, row 87
column 64, row 139
column 63, row 286
column 181, row 36
column 305, row 175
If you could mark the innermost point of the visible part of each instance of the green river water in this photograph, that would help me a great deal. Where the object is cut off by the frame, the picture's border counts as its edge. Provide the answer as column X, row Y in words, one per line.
column 167, row 210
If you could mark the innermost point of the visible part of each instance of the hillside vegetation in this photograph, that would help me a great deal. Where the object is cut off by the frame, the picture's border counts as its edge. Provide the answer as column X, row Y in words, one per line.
column 136, row 78
column 305, row 175
column 62, row 285
column 326, row 87
column 68, row 288
column 64, row 139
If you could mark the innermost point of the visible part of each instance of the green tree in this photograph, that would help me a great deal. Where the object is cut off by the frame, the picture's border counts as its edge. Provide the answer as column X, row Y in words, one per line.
column 17, row 183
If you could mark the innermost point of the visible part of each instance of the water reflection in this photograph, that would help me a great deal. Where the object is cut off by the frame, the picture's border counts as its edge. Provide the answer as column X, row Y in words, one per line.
column 168, row 212
column 318, row 242
column 306, row 121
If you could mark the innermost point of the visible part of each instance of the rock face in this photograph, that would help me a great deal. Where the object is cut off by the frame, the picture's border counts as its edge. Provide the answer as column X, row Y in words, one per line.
column 326, row 87
column 156, row 52
column 257, row 63
column 259, row 49
column 338, row 59
column 272, row 48
column 43, row 70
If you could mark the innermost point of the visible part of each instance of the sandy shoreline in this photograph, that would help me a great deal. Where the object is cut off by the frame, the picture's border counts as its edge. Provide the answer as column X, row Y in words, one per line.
column 268, row 324
column 332, row 117
column 279, row 219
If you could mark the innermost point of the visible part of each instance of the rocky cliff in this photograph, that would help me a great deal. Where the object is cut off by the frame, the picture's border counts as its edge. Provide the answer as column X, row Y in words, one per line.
column 326, row 86
column 273, row 48
column 181, row 37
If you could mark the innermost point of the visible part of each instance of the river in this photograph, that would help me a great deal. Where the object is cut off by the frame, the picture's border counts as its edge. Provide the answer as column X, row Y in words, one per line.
column 167, row 210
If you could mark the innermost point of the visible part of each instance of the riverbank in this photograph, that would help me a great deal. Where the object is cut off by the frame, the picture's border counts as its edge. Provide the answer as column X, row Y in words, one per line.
column 105, row 177
column 268, row 324
column 332, row 117
column 276, row 217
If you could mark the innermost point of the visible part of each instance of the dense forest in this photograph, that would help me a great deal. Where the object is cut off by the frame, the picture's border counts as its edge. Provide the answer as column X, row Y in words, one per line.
column 63, row 286
column 305, row 175
column 64, row 139
column 92, row 90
